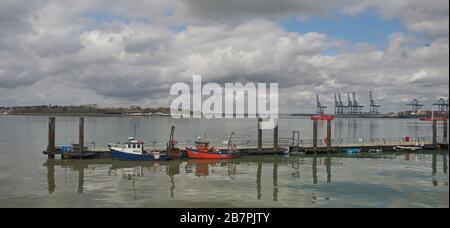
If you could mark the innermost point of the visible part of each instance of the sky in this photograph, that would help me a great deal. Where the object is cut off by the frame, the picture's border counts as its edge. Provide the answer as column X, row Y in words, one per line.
column 122, row 53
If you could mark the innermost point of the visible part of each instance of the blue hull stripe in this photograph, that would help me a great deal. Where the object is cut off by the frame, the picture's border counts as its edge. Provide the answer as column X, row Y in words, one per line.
column 134, row 157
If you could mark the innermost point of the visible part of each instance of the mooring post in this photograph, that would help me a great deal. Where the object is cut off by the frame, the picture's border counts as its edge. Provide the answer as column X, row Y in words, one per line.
column 445, row 129
column 315, row 134
column 328, row 135
column 434, row 132
column 51, row 137
column 81, row 135
column 259, row 135
column 275, row 139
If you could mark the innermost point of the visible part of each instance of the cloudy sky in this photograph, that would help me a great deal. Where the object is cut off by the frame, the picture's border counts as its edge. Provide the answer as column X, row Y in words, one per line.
column 122, row 52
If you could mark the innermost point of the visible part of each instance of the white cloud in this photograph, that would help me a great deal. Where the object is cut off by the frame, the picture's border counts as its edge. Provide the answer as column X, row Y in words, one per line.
column 427, row 17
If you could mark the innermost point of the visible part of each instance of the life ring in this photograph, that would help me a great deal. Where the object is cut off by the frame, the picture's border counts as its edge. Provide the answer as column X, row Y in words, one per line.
column 407, row 139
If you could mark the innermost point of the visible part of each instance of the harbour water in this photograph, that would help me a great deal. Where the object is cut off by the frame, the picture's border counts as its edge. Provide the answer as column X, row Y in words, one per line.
column 28, row 179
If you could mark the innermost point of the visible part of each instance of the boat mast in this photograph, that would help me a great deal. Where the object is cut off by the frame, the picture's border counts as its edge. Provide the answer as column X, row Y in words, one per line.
column 229, row 141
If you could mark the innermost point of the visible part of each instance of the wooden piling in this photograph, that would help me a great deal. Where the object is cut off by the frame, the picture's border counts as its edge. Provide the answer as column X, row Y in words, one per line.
column 258, row 181
column 445, row 133
column 81, row 135
column 275, row 139
column 315, row 134
column 434, row 136
column 51, row 137
column 259, row 135
column 329, row 135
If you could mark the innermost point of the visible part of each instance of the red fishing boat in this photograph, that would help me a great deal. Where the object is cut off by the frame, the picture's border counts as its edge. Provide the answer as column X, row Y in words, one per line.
column 203, row 150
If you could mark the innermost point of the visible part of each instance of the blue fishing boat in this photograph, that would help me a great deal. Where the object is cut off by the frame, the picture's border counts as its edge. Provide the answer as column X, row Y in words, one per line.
column 134, row 150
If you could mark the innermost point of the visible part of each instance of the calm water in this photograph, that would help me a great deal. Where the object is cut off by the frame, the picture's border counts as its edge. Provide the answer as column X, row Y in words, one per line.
column 28, row 179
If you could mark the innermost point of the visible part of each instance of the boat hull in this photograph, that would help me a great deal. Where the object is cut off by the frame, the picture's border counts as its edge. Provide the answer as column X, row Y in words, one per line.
column 134, row 157
column 195, row 154
column 322, row 117
column 407, row 148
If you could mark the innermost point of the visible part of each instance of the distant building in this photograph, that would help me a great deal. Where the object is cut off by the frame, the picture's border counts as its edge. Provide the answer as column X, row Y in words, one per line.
column 135, row 108
column 392, row 115
column 89, row 106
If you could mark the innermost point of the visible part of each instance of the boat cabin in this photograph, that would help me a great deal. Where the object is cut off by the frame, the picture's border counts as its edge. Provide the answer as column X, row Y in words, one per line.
column 134, row 146
column 202, row 144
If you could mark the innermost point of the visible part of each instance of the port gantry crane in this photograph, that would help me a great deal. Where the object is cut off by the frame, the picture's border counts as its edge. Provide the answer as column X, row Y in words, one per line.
column 341, row 105
column 374, row 107
column 442, row 105
column 320, row 108
column 357, row 107
column 339, row 108
column 350, row 107
column 336, row 105
column 416, row 106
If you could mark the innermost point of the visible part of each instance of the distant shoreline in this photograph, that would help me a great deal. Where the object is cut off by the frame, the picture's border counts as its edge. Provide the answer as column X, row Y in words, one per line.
column 168, row 115
column 80, row 114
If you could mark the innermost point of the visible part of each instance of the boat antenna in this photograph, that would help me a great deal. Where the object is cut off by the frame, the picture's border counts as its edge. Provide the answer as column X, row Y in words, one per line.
column 134, row 133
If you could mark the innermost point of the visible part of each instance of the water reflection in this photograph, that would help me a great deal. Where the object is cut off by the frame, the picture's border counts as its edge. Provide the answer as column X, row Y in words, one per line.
column 76, row 165
column 129, row 171
column 281, row 168
column 258, row 181
column 80, row 179
column 202, row 167
column 172, row 169
column 51, row 176
column 275, row 180
column 314, row 169
column 444, row 158
column 328, row 165
column 434, row 169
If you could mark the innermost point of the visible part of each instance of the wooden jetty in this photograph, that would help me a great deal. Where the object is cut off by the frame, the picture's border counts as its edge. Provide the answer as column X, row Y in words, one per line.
column 80, row 151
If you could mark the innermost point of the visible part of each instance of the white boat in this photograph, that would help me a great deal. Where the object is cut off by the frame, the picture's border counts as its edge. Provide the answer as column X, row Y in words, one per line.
column 161, row 114
column 375, row 151
column 408, row 148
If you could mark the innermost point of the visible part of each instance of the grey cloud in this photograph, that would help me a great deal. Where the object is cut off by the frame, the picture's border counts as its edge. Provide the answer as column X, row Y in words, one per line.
column 17, row 77
column 118, row 62
column 248, row 9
